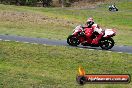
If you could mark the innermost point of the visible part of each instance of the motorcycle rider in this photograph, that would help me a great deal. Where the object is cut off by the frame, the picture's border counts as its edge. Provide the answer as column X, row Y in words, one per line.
column 90, row 28
column 113, row 7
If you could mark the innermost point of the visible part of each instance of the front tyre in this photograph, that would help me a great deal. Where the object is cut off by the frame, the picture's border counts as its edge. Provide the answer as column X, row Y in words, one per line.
column 107, row 43
column 110, row 9
column 73, row 40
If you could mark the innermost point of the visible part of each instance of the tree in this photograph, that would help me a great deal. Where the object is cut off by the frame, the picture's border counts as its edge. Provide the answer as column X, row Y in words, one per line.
column 46, row 3
column 62, row 2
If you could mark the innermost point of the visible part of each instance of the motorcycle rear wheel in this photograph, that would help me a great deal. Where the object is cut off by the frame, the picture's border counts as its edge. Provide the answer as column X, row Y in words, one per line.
column 73, row 40
column 107, row 43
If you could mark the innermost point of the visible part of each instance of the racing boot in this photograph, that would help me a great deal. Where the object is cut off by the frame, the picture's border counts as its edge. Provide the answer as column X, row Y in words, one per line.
column 96, row 40
column 89, row 40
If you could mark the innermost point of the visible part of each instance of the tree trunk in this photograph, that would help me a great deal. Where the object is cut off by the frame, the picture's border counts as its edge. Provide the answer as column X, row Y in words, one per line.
column 46, row 3
column 62, row 3
column 17, row 2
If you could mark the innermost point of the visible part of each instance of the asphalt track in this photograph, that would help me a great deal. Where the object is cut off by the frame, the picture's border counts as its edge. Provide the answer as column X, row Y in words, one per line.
column 119, row 49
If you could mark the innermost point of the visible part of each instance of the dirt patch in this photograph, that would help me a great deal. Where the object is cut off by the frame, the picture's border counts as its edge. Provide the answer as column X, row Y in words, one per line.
column 32, row 18
column 89, row 4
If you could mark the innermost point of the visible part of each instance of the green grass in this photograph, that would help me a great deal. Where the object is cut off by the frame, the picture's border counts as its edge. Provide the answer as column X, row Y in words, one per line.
column 38, row 66
column 58, row 23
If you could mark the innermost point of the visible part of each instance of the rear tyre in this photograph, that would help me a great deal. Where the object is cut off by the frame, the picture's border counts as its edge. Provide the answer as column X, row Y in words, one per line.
column 107, row 43
column 116, row 9
column 73, row 40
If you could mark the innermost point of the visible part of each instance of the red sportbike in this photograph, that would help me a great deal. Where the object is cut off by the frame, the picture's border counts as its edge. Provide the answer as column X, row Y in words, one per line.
column 78, row 37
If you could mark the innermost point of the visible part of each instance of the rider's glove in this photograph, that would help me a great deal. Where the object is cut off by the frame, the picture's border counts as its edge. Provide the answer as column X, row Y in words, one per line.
column 82, row 33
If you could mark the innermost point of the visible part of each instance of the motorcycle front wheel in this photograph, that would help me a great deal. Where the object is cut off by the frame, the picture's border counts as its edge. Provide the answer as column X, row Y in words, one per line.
column 107, row 43
column 110, row 9
column 73, row 40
